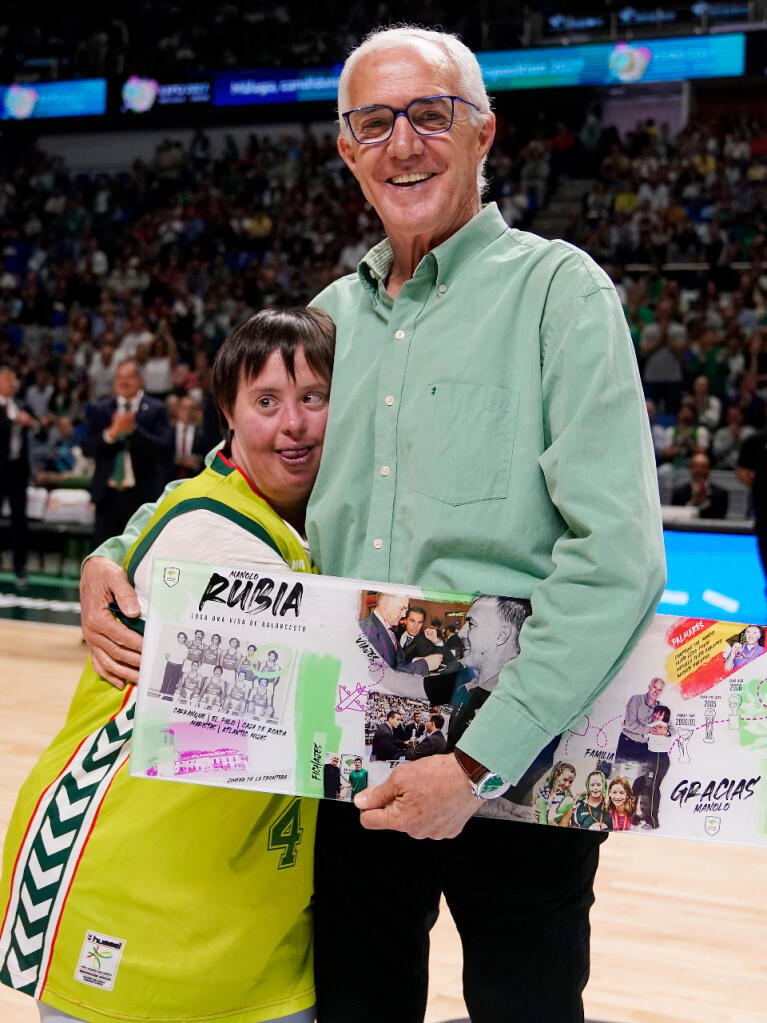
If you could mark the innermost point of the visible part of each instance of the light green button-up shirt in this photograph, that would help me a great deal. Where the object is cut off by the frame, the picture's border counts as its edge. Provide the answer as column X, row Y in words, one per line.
column 487, row 432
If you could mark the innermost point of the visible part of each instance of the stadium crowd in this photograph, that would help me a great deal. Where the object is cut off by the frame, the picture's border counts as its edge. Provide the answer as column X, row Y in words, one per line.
column 167, row 40
column 159, row 264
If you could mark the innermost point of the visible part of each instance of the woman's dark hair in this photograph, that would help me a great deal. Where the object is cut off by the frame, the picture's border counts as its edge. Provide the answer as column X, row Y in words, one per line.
column 665, row 712
column 247, row 348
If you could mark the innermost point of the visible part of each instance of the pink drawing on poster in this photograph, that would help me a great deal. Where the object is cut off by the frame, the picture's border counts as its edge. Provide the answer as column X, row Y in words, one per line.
column 192, row 761
column 352, row 699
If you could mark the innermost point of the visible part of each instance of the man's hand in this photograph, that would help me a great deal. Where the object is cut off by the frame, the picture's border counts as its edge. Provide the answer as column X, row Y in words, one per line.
column 115, row 649
column 431, row 635
column 433, row 660
column 122, row 422
column 25, row 419
column 429, row 798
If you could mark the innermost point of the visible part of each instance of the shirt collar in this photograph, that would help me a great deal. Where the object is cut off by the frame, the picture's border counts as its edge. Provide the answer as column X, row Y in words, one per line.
column 448, row 258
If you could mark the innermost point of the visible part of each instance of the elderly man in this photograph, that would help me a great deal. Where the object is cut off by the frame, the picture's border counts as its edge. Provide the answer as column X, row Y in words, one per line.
column 129, row 437
column 512, row 355
column 638, row 722
column 378, row 626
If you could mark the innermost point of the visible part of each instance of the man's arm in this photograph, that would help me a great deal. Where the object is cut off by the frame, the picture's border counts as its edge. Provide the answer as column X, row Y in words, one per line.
column 632, row 726
column 115, row 649
column 608, row 575
column 609, row 562
column 152, row 437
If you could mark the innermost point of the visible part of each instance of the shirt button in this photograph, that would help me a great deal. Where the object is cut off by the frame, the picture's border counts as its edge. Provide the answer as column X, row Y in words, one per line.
column 442, row 289
column 399, row 335
column 385, row 470
column 378, row 543
column 389, row 399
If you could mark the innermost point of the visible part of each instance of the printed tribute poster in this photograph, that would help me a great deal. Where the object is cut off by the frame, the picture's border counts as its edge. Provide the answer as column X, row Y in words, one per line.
column 306, row 684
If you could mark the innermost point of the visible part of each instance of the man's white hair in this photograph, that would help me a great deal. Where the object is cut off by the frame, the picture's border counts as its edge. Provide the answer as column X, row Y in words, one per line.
column 458, row 57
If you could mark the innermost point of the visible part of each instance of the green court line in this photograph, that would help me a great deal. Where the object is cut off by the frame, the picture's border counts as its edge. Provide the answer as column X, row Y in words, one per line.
column 39, row 579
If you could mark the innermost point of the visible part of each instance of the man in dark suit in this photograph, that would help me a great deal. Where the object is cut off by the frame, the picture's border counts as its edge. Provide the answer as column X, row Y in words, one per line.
column 379, row 626
column 416, row 641
column 453, row 642
column 331, row 778
column 414, row 729
column 188, row 441
column 386, row 745
column 129, row 436
column 15, row 422
column 435, row 741
column 710, row 500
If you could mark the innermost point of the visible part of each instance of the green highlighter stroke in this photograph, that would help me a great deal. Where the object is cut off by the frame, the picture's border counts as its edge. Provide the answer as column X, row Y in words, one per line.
column 316, row 731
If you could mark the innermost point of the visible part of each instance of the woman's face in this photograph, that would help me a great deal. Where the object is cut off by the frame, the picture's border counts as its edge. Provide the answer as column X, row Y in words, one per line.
column 564, row 781
column 595, row 788
column 617, row 795
column 279, row 426
column 752, row 635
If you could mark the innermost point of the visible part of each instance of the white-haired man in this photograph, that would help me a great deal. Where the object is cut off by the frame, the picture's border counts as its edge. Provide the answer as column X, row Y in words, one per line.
column 511, row 354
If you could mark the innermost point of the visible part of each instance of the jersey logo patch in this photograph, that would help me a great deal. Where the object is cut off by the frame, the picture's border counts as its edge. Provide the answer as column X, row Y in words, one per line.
column 99, row 960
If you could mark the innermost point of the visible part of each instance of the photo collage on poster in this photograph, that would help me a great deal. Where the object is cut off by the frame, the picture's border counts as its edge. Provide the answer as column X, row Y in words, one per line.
column 321, row 686
column 221, row 675
column 614, row 778
column 444, row 659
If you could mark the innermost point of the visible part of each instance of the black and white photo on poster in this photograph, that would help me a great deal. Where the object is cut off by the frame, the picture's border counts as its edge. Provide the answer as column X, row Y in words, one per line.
column 220, row 676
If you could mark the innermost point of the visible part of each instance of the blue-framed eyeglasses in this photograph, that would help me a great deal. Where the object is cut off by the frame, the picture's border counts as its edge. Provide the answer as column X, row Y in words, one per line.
column 429, row 115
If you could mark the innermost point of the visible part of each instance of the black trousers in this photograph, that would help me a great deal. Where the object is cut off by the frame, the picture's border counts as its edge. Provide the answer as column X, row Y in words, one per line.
column 13, row 485
column 113, row 511
column 520, row 896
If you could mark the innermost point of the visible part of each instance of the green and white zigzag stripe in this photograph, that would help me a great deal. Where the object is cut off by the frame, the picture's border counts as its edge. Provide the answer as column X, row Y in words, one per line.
column 51, row 849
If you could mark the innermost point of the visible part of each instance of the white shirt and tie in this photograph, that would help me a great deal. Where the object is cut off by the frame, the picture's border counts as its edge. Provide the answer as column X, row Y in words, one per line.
column 184, row 439
column 127, row 477
column 17, row 436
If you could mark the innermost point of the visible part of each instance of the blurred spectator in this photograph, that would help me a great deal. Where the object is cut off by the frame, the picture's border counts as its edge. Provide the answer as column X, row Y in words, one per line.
column 38, row 395
column 101, row 371
column 161, row 361
column 726, row 442
column 749, row 402
column 188, row 439
column 659, row 436
column 64, row 463
column 15, row 423
column 757, row 348
column 685, row 439
column 662, row 345
column 708, row 408
column 710, row 500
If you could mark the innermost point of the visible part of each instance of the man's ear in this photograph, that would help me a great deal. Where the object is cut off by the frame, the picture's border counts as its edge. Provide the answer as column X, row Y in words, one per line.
column 486, row 134
column 504, row 634
column 346, row 152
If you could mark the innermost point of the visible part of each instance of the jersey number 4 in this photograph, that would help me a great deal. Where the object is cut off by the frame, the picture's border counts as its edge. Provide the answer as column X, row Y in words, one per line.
column 286, row 834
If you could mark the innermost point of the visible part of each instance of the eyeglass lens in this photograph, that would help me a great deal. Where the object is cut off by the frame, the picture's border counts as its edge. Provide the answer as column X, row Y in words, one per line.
column 427, row 116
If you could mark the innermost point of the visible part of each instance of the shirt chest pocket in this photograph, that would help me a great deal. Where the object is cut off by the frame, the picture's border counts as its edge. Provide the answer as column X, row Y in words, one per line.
column 462, row 450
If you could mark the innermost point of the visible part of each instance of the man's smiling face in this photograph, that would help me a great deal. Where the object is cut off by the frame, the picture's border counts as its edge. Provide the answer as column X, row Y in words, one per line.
column 419, row 185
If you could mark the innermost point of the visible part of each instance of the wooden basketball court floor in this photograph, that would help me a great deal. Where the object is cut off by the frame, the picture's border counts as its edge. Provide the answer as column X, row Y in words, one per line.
column 679, row 928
